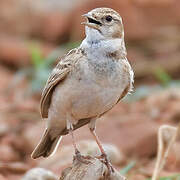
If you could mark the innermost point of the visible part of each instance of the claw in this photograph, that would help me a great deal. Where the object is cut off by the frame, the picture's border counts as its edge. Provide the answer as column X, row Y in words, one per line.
column 107, row 163
column 81, row 158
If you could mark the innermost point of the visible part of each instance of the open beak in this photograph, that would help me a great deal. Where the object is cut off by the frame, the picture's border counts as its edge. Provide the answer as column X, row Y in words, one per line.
column 91, row 22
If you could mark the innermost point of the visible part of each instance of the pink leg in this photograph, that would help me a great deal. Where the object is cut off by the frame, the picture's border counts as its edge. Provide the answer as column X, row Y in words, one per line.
column 109, row 166
column 73, row 141
column 98, row 141
column 70, row 128
column 78, row 155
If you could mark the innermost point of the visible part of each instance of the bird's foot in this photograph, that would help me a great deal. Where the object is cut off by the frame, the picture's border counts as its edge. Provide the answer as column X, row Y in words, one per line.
column 105, row 160
column 79, row 157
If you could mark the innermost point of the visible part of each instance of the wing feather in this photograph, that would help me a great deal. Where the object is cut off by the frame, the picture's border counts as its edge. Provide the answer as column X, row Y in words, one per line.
column 58, row 74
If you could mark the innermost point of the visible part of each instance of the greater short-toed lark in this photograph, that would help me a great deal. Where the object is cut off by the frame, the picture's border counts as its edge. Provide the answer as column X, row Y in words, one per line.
column 87, row 82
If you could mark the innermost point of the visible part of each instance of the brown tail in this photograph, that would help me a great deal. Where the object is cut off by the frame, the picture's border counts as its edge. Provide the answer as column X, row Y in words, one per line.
column 46, row 146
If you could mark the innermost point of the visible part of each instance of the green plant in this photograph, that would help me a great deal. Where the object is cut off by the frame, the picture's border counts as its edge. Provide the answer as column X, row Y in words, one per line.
column 163, row 77
column 126, row 169
column 38, row 73
column 174, row 177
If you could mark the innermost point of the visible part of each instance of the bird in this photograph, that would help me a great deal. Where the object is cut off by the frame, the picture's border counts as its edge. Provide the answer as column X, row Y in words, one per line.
column 86, row 83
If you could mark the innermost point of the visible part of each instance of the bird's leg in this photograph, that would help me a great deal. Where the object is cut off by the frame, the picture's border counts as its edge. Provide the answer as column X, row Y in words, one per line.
column 103, row 154
column 73, row 140
column 78, row 155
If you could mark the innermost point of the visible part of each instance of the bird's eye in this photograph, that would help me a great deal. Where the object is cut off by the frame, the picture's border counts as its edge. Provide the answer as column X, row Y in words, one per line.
column 109, row 18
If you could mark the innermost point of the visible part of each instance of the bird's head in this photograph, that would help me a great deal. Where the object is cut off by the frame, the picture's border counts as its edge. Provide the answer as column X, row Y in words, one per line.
column 103, row 23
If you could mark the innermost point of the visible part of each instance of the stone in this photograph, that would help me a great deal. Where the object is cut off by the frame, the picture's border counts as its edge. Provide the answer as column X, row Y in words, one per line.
column 39, row 174
column 92, row 169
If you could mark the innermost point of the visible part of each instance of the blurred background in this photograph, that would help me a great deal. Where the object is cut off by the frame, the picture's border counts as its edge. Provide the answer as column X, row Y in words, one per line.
column 33, row 34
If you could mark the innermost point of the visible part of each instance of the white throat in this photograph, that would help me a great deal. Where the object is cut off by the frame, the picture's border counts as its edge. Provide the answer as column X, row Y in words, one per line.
column 96, row 45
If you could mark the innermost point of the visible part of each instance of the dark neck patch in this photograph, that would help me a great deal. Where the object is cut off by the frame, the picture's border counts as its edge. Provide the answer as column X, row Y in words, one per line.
column 114, row 55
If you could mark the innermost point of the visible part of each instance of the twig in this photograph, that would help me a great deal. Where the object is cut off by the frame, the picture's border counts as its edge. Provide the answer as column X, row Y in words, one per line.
column 166, row 138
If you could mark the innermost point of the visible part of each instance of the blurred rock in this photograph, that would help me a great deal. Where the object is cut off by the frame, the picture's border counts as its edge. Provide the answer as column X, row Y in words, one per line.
column 55, row 27
column 2, row 177
column 164, row 105
column 8, row 154
column 141, row 134
column 37, row 19
column 14, row 167
column 39, row 174
column 19, row 143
